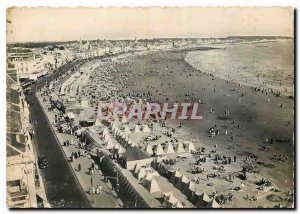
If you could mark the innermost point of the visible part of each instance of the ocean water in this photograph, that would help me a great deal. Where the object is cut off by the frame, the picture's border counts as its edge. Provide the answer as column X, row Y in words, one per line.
column 267, row 64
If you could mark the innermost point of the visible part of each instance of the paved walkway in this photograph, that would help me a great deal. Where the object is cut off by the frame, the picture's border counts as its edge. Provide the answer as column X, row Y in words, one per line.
column 107, row 198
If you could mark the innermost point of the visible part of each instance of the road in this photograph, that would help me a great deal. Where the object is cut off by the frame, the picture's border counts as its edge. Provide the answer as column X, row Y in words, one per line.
column 62, row 187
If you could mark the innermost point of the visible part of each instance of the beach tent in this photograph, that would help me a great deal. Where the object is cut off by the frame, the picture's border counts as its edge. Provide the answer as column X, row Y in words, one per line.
column 137, row 168
column 109, row 145
column 84, row 104
column 137, row 129
column 116, row 131
column 149, row 149
column 159, row 150
column 190, row 147
column 190, row 189
column 129, row 142
column 203, row 201
column 97, row 123
column 114, row 126
column 107, row 138
column 169, row 200
column 178, row 205
column 124, row 119
column 152, row 186
column 117, row 146
column 105, row 132
column 175, row 177
column 169, row 149
column 195, row 196
column 161, row 169
column 182, row 182
column 70, row 115
column 179, row 148
column 151, row 174
column 213, row 204
column 121, row 150
column 127, row 130
column 146, row 129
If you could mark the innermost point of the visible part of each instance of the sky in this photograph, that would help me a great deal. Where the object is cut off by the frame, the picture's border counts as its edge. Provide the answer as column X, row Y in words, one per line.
column 66, row 24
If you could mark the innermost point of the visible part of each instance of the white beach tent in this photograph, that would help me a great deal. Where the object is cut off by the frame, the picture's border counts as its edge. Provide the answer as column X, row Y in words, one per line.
column 127, row 130
column 146, row 129
column 152, row 186
column 124, row 119
column 97, row 122
column 149, row 149
column 110, row 144
column 159, row 150
column 190, row 147
column 179, row 148
column 137, row 129
column 169, row 149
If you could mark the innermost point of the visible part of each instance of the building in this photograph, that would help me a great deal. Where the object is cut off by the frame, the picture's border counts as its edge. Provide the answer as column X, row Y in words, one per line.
column 25, row 188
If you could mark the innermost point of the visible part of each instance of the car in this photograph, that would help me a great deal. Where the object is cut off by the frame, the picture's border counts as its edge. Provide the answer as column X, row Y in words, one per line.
column 42, row 162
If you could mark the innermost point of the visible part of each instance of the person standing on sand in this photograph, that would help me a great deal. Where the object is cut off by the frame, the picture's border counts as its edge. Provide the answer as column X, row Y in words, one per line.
column 234, row 158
